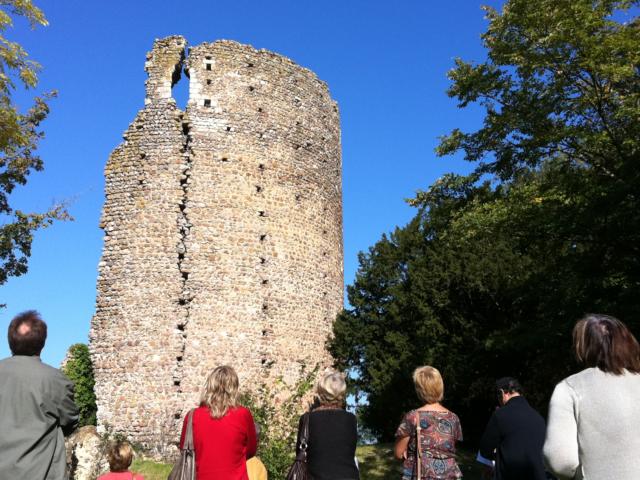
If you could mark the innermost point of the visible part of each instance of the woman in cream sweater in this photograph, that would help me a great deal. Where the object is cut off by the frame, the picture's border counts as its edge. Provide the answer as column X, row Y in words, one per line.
column 594, row 419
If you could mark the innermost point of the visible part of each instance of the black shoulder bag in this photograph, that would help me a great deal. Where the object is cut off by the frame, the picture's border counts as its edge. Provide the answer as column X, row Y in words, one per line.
column 300, row 469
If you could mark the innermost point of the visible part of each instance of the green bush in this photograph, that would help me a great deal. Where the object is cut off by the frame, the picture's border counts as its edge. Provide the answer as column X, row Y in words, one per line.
column 277, row 410
column 79, row 369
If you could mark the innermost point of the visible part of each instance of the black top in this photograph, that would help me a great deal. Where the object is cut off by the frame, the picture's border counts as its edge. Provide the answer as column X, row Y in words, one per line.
column 332, row 445
column 514, row 437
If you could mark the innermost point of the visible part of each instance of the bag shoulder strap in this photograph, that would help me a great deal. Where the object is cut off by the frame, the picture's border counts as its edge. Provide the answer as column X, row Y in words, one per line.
column 418, row 455
column 188, row 437
column 304, row 438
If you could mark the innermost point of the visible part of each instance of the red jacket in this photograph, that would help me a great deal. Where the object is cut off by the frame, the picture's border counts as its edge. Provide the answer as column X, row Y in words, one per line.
column 222, row 445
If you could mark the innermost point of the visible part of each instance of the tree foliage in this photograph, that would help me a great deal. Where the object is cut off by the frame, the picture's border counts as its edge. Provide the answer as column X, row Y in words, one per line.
column 494, row 269
column 79, row 368
column 19, row 136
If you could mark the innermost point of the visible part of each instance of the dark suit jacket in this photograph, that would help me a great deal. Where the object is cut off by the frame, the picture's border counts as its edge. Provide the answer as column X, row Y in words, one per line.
column 514, row 437
column 36, row 404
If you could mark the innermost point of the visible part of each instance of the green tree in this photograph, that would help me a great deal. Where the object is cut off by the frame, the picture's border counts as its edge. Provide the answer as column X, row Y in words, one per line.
column 276, row 409
column 19, row 136
column 561, row 81
column 494, row 269
column 79, row 368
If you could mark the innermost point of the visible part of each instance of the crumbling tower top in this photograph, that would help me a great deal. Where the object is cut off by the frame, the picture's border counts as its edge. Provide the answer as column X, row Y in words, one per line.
column 163, row 65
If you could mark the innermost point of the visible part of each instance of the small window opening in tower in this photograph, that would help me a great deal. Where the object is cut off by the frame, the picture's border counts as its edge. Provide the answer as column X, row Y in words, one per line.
column 208, row 67
column 207, row 102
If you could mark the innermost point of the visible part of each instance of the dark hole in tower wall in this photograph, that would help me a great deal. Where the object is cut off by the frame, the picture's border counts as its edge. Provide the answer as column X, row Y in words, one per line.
column 180, row 86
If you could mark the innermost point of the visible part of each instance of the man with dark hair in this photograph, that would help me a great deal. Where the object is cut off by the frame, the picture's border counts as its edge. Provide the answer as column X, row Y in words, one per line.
column 36, row 406
column 514, row 436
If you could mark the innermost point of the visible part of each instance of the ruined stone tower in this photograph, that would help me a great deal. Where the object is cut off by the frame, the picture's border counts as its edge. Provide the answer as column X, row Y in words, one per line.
column 223, row 234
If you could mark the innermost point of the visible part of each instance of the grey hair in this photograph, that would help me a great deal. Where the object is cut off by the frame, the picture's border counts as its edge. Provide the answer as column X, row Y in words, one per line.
column 331, row 387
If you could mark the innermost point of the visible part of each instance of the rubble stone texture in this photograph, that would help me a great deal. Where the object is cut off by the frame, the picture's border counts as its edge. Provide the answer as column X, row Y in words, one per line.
column 223, row 234
column 86, row 454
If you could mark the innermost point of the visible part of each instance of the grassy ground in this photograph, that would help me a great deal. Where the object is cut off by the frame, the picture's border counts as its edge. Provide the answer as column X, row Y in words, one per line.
column 151, row 470
column 376, row 463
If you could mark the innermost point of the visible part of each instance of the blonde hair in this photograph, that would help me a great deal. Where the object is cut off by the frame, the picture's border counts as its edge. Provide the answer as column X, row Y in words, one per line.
column 120, row 456
column 220, row 391
column 429, row 384
column 331, row 387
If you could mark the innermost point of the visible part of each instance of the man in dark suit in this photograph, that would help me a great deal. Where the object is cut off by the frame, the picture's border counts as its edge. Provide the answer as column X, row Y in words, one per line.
column 36, row 406
column 514, row 436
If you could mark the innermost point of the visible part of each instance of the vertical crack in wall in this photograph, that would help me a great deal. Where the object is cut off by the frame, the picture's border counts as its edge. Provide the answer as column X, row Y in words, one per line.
column 184, row 228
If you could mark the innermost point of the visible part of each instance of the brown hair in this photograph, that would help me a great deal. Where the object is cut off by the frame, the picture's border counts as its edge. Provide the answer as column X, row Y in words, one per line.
column 605, row 342
column 220, row 391
column 429, row 384
column 29, row 340
column 120, row 456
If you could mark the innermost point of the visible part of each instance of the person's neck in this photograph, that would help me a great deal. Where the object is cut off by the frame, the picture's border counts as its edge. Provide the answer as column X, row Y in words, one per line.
column 432, row 406
column 509, row 396
column 329, row 406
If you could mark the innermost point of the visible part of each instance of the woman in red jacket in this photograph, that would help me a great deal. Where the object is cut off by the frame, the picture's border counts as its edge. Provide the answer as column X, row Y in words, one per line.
column 224, row 434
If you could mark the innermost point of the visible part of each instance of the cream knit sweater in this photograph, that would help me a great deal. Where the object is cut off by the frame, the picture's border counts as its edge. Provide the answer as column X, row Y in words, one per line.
column 593, row 431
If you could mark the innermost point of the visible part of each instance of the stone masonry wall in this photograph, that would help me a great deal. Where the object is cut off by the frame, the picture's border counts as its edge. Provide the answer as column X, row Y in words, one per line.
column 223, row 234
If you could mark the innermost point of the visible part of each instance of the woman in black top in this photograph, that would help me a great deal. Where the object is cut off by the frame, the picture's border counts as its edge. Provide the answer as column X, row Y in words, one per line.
column 332, row 431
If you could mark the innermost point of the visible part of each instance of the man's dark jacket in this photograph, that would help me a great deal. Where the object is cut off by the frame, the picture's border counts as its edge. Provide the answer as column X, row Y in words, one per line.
column 514, row 437
column 36, row 407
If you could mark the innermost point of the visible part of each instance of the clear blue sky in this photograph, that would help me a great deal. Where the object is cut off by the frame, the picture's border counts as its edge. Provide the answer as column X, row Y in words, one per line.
column 385, row 63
